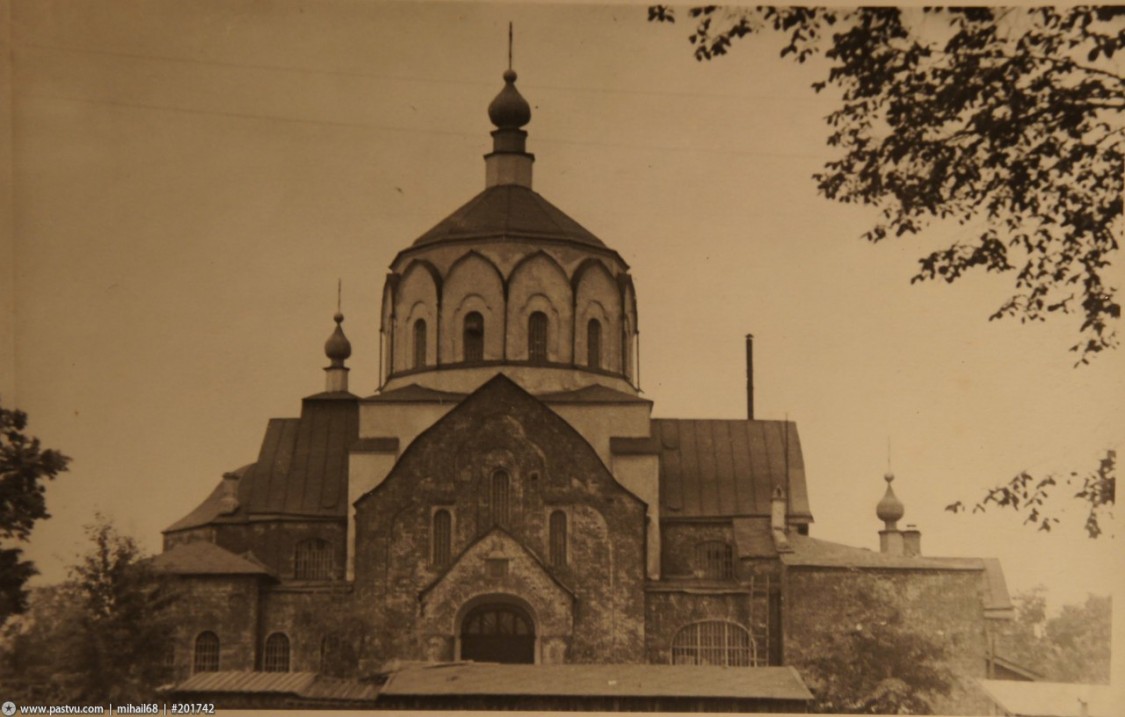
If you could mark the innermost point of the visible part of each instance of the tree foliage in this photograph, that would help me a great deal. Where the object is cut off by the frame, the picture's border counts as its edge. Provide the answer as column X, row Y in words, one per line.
column 1010, row 121
column 24, row 469
column 1072, row 646
column 99, row 637
column 875, row 660
column 1097, row 491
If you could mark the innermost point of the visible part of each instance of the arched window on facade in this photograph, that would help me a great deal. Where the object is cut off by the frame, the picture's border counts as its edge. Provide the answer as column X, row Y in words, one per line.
column 443, row 534
column 206, row 653
column 714, row 560
column 594, row 343
column 718, row 643
column 314, row 560
column 419, row 343
column 474, row 337
column 500, row 497
column 498, row 633
column 537, row 337
column 276, row 658
column 558, row 538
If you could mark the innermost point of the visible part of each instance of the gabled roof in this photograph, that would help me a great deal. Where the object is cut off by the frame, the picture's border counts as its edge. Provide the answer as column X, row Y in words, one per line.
column 508, row 210
column 722, row 468
column 202, row 557
column 779, row 683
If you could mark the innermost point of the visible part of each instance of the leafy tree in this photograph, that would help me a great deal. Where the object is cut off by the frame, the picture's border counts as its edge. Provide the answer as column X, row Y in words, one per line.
column 99, row 637
column 1006, row 120
column 875, row 661
column 1072, row 646
column 24, row 469
column 1026, row 494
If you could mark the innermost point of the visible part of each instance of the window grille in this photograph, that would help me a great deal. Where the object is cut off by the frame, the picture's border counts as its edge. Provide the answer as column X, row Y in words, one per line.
column 206, row 653
column 537, row 337
column 314, row 560
column 594, row 344
column 558, row 538
column 419, row 343
column 474, row 337
column 499, row 499
column 717, row 643
column 714, row 560
column 277, row 653
column 443, row 525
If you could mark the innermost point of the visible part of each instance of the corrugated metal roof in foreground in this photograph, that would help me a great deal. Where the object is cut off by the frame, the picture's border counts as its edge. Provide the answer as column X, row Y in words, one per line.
column 779, row 683
column 307, row 685
column 1054, row 699
column 719, row 468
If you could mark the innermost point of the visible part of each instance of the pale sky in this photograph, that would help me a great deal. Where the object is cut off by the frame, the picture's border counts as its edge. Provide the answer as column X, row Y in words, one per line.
column 190, row 179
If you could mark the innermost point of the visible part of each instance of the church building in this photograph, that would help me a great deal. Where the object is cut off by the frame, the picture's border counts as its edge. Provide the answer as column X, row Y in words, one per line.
column 504, row 523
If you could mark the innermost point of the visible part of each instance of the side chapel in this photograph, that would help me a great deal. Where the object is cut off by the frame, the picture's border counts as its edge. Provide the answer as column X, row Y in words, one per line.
column 506, row 498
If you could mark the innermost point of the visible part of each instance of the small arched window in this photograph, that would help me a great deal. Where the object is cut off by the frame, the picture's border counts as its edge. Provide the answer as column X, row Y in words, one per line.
column 474, row 336
column 714, row 560
column 314, row 560
column 443, row 530
column 558, row 539
column 594, row 344
column 277, row 653
column 419, row 343
column 723, row 644
column 499, row 497
column 537, row 337
column 206, row 653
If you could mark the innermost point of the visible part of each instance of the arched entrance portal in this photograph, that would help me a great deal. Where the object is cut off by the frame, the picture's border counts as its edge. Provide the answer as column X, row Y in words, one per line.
column 498, row 633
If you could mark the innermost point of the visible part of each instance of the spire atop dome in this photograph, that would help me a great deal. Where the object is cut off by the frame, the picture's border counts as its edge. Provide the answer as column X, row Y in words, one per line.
column 337, row 348
column 509, row 162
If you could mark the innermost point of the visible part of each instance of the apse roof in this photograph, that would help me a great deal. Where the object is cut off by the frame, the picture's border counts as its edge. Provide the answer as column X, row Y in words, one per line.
column 508, row 210
column 721, row 468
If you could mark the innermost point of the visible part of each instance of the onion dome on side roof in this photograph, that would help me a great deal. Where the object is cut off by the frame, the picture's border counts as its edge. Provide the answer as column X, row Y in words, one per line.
column 890, row 509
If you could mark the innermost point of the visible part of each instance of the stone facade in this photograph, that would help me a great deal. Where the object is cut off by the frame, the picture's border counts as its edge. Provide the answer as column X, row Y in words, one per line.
column 506, row 495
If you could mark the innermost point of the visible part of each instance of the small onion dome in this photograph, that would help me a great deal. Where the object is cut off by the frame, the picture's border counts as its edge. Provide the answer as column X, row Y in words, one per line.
column 890, row 509
column 337, row 347
column 509, row 110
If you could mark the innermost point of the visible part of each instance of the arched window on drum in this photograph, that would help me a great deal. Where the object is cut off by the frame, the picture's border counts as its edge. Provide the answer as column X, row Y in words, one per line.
column 594, row 343
column 537, row 337
column 420, row 343
column 473, row 338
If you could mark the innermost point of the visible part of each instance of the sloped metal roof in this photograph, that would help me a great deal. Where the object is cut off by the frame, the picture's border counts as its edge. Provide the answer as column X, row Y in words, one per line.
column 209, row 509
column 1053, row 699
column 721, row 468
column 591, row 394
column 308, row 685
column 780, row 683
column 413, row 393
column 202, row 557
column 508, row 210
column 302, row 467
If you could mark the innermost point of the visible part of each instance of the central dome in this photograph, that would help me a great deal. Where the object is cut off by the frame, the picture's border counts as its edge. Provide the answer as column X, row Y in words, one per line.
column 509, row 283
